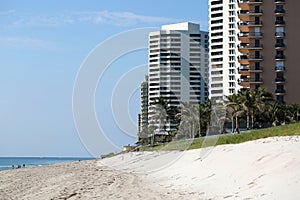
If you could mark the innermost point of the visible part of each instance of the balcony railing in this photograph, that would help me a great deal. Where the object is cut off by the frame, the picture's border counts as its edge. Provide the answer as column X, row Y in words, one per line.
column 279, row 22
column 250, row 1
column 280, row 57
column 250, row 80
column 247, row 12
column 280, row 80
column 248, row 46
column 279, row 69
column 250, row 34
column 279, row 45
column 246, row 57
column 280, row 91
column 247, row 69
column 243, row 69
column 250, row 23
column 280, row 34
column 279, row 11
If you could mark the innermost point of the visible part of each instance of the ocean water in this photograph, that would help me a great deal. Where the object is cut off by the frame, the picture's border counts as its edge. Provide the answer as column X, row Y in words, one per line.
column 7, row 162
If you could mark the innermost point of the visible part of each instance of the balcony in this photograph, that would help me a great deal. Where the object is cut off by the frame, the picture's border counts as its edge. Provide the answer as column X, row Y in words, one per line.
column 280, row 34
column 279, row 45
column 280, row 80
column 245, row 37
column 279, row 23
column 244, row 71
column 280, row 57
column 249, row 46
column 246, row 48
column 247, row 70
column 246, row 59
column 250, row 1
column 245, row 15
column 279, row 69
column 279, row 92
column 248, row 81
column 245, row 26
column 244, row 4
column 279, row 11
column 250, row 23
column 250, row 12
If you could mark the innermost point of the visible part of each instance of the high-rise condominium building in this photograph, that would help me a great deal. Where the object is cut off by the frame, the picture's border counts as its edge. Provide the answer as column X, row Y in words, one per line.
column 269, row 43
column 178, row 66
column 223, row 48
column 143, row 116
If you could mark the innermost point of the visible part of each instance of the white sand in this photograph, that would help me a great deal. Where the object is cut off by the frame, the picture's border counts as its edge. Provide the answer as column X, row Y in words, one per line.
column 262, row 169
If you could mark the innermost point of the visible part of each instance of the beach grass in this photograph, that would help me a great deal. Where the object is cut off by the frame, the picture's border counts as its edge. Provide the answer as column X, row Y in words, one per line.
column 284, row 130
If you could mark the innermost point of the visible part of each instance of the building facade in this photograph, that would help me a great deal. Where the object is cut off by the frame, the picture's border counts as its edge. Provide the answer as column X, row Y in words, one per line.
column 143, row 116
column 223, row 48
column 269, row 39
column 178, row 67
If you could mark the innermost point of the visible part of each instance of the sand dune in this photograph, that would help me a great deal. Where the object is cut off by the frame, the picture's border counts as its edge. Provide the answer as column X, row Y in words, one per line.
column 262, row 169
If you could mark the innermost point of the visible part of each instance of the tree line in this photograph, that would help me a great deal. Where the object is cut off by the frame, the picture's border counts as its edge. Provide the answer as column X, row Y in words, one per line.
column 250, row 108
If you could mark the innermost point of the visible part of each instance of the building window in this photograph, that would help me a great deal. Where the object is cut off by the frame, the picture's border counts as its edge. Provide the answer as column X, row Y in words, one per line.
column 231, row 64
column 231, row 78
column 231, row 45
column 231, row 6
column 231, row 51
column 231, row 71
column 231, row 58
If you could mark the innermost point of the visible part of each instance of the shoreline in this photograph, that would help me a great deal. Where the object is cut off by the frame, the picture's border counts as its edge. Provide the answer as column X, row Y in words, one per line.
column 261, row 169
column 12, row 163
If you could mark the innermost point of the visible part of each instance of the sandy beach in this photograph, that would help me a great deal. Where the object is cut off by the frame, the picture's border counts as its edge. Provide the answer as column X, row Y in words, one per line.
column 262, row 169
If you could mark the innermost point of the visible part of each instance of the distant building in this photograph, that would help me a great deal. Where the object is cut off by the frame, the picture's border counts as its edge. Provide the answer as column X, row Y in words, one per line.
column 143, row 116
column 178, row 67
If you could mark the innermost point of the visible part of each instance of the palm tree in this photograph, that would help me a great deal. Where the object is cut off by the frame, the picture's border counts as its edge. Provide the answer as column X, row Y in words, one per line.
column 277, row 113
column 248, row 103
column 189, row 119
column 295, row 111
column 217, row 118
column 205, row 115
column 234, row 109
column 164, row 112
column 160, row 116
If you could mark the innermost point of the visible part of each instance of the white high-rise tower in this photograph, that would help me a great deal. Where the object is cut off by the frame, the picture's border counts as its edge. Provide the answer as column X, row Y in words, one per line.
column 178, row 66
column 223, row 48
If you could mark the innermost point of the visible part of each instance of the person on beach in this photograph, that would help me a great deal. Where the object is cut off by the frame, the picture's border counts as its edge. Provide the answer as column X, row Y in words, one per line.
column 13, row 167
column 23, row 165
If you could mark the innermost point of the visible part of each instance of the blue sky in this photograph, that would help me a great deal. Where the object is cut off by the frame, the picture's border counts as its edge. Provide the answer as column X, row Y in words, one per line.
column 42, row 46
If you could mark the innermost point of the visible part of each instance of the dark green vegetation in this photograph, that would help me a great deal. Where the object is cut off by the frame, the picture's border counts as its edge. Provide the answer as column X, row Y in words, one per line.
column 285, row 130
column 250, row 109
